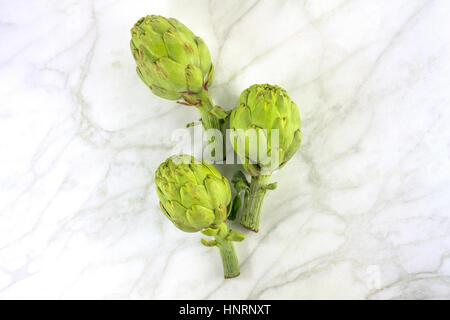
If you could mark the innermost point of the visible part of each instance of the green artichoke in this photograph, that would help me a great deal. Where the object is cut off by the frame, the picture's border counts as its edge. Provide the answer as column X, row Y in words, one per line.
column 196, row 197
column 193, row 195
column 175, row 64
column 263, row 108
column 170, row 59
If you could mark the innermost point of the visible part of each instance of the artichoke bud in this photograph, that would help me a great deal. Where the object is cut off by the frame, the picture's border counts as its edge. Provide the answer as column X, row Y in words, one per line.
column 170, row 59
column 264, row 108
column 193, row 194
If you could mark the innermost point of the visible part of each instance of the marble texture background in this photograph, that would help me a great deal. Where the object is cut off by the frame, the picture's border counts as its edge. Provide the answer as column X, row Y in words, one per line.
column 361, row 211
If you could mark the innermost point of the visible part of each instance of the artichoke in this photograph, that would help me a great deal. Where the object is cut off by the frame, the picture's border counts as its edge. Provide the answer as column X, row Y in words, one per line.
column 175, row 64
column 263, row 108
column 193, row 195
column 196, row 197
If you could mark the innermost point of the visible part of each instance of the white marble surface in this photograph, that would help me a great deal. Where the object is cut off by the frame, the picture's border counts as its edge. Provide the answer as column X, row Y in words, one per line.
column 362, row 211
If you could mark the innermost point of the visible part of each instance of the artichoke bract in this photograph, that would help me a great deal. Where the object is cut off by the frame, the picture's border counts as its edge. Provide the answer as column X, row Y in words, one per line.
column 175, row 64
column 194, row 196
column 274, row 118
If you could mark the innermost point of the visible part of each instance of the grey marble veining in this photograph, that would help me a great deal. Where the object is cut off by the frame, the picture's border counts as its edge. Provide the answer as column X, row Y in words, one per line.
column 361, row 211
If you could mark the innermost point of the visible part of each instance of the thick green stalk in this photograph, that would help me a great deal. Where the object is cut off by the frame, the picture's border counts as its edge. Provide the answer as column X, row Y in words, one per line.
column 229, row 259
column 209, row 121
column 253, row 202
column 206, row 104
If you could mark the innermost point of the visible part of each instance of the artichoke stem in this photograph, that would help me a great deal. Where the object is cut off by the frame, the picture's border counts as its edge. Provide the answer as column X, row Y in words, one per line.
column 228, row 254
column 229, row 260
column 253, row 202
column 209, row 121
column 206, row 104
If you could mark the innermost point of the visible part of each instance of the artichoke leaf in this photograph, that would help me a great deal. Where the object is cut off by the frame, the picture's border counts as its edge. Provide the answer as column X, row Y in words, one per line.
column 233, row 209
column 210, row 231
column 207, row 243
column 218, row 112
column 234, row 236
